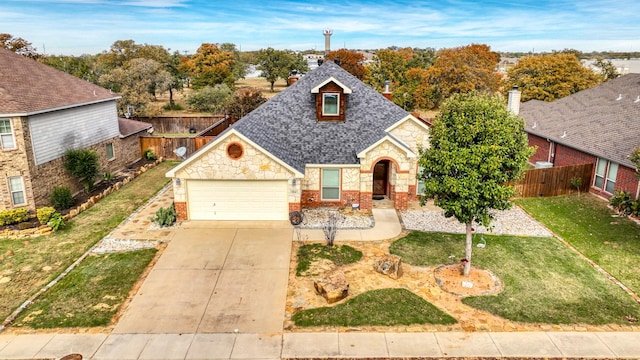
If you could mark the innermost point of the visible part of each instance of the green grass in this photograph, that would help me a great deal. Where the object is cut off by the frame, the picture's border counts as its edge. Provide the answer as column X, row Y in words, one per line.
column 384, row 307
column 91, row 294
column 338, row 254
column 544, row 281
column 585, row 222
column 31, row 264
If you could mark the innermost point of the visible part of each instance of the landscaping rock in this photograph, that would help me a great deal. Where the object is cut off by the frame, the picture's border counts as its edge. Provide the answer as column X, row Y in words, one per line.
column 390, row 265
column 333, row 286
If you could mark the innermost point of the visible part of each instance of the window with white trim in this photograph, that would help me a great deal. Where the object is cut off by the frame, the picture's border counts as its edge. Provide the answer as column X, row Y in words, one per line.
column 16, row 188
column 330, row 184
column 330, row 104
column 6, row 135
column 110, row 154
column 606, row 174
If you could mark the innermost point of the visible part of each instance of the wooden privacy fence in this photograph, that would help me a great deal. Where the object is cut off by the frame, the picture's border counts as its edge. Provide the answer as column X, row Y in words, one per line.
column 554, row 181
column 165, row 146
column 181, row 124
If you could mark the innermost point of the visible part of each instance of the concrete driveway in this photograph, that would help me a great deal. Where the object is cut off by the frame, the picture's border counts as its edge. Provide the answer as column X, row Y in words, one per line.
column 215, row 277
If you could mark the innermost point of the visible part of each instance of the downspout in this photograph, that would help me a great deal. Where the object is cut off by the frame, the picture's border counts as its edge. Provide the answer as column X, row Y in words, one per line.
column 638, row 191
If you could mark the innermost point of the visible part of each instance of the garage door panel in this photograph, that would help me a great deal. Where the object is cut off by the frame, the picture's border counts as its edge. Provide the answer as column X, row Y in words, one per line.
column 237, row 200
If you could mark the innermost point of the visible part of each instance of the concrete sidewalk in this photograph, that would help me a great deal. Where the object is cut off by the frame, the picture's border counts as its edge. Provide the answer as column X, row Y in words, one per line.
column 622, row 345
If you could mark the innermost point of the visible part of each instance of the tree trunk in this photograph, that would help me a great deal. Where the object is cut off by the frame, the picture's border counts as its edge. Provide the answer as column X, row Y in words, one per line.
column 272, row 82
column 171, row 103
column 467, row 250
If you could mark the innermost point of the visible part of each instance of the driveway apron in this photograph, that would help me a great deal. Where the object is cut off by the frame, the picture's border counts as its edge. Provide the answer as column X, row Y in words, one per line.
column 215, row 280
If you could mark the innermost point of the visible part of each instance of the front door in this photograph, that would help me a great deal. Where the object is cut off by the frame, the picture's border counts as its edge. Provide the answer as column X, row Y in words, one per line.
column 381, row 177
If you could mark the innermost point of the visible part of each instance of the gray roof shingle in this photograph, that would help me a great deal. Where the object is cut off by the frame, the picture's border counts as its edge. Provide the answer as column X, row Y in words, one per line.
column 27, row 87
column 286, row 125
column 595, row 121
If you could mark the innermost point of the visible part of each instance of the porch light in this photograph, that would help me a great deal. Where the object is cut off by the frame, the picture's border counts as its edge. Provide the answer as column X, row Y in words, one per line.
column 177, row 181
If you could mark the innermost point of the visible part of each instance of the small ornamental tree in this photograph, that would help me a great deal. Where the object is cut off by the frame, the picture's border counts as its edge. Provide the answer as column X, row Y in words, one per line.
column 83, row 164
column 635, row 158
column 477, row 148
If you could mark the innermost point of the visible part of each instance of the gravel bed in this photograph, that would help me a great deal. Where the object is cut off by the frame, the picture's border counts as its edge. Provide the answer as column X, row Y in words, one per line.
column 508, row 222
column 316, row 218
column 111, row 245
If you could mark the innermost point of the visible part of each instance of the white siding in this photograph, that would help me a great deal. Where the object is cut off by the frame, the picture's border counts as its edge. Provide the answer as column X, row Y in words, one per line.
column 52, row 134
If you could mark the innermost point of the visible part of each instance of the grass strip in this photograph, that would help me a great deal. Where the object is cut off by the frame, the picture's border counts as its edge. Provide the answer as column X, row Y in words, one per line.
column 338, row 254
column 91, row 294
column 544, row 281
column 383, row 307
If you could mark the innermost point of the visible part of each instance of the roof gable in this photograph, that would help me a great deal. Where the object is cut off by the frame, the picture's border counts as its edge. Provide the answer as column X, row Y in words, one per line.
column 286, row 125
column 28, row 87
column 603, row 121
column 345, row 89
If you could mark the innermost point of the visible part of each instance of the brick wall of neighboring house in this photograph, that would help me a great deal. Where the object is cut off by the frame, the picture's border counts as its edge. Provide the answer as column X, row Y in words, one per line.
column 626, row 180
column 542, row 148
column 566, row 156
column 14, row 162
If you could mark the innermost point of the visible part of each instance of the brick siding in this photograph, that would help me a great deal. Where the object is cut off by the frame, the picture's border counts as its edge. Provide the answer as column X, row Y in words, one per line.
column 181, row 210
column 542, row 148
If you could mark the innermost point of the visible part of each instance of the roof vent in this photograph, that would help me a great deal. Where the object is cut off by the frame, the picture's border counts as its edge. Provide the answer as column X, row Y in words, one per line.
column 637, row 100
column 337, row 61
column 535, row 125
column 564, row 134
column 619, row 97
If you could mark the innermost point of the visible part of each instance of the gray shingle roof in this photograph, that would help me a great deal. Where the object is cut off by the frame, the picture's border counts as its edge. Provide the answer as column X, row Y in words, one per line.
column 594, row 120
column 286, row 125
column 27, row 87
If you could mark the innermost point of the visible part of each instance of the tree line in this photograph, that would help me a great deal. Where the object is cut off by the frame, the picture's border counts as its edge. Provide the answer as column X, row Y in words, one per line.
column 417, row 78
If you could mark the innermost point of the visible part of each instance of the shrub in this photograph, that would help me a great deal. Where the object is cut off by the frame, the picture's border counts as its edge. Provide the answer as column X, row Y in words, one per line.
column 165, row 216
column 83, row 164
column 107, row 176
column 210, row 99
column 15, row 216
column 622, row 202
column 44, row 214
column 61, row 198
column 175, row 106
column 149, row 155
column 56, row 222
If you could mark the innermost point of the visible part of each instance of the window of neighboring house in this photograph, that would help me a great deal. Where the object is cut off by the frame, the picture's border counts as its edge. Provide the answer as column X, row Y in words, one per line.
column 16, row 187
column 606, row 173
column 6, row 135
column 330, row 184
column 330, row 104
column 110, row 154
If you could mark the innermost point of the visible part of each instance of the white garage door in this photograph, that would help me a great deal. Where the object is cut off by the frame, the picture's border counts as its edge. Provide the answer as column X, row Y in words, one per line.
column 237, row 200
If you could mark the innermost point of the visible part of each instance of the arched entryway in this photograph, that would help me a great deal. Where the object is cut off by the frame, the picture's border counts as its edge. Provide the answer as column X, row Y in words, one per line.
column 381, row 179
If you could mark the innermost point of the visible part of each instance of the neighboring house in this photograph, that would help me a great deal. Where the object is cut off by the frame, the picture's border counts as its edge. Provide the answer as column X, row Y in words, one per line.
column 45, row 112
column 599, row 126
column 327, row 140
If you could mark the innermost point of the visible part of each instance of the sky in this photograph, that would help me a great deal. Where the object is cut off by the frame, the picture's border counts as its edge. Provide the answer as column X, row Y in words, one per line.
column 76, row 27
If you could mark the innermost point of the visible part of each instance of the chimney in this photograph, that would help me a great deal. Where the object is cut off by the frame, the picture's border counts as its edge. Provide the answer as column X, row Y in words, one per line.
column 337, row 61
column 386, row 92
column 513, row 104
column 320, row 61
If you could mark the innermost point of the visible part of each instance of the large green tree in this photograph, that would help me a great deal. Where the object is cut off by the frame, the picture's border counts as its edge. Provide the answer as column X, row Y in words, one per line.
column 210, row 65
column 551, row 76
column 477, row 148
column 137, row 81
column 278, row 64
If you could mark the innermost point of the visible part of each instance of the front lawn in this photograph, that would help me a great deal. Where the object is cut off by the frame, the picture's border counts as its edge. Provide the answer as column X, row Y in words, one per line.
column 91, row 294
column 544, row 281
column 585, row 222
column 384, row 307
column 26, row 265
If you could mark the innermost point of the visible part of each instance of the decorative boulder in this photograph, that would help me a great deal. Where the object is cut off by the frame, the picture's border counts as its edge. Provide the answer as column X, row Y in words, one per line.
column 333, row 286
column 389, row 265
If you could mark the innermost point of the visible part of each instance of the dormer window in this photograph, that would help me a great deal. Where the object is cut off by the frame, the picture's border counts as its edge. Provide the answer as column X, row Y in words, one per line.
column 330, row 104
column 331, row 100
